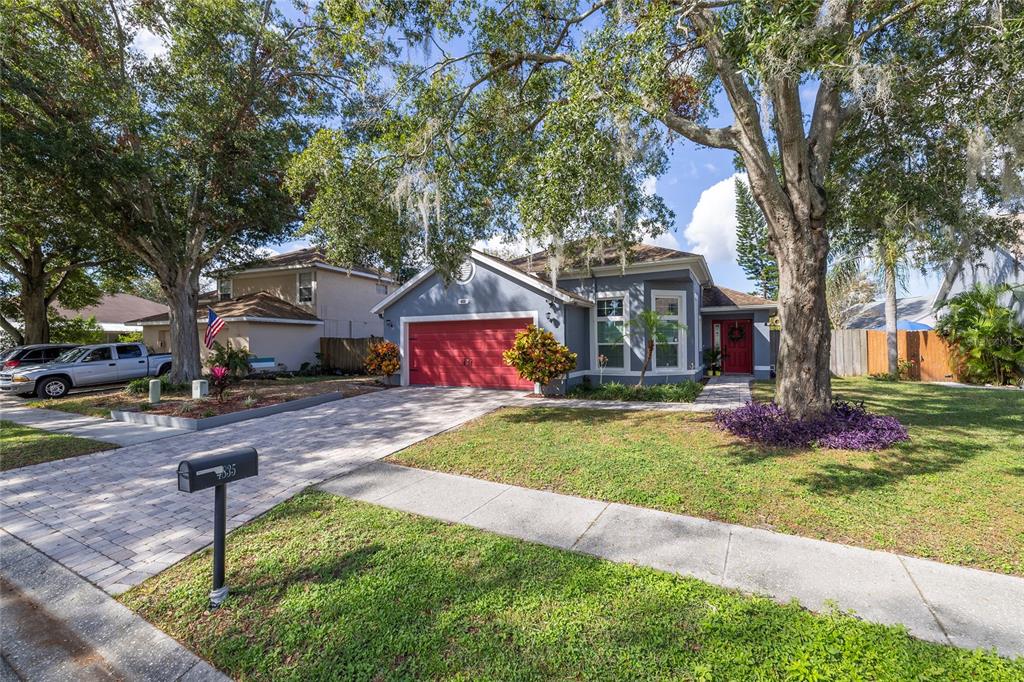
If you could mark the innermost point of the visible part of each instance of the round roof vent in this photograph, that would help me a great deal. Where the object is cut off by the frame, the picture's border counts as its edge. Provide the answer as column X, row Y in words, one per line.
column 465, row 272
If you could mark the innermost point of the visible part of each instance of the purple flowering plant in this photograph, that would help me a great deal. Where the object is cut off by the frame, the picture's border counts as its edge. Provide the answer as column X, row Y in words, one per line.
column 847, row 426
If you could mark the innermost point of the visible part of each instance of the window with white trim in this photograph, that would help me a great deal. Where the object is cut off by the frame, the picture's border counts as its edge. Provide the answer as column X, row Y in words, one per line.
column 305, row 287
column 611, row 331
column 224, row 289
column 666, row 350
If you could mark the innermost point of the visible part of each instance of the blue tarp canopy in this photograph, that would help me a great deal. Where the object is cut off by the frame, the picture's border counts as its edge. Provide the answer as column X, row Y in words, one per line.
column 909, row 326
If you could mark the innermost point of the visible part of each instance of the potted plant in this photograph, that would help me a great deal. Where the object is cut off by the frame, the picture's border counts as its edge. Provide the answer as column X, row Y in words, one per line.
column 713, row 361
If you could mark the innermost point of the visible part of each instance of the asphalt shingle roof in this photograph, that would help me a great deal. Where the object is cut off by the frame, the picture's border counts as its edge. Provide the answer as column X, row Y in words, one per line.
column 716, row 297
column 259, row 304
column 537, row 263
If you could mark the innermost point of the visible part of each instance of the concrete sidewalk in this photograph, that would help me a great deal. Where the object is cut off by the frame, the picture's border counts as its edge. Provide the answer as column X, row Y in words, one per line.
column 56, row 626
column 936, row 602
column 106, row 430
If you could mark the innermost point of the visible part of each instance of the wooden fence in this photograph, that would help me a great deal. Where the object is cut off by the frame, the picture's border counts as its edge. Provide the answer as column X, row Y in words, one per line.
column 346, row 355
column 849, row 352
column 860, row 351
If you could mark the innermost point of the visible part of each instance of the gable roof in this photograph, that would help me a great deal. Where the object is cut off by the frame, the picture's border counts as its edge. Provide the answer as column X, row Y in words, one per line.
column 537, row 263
column 916, row 309
column 308, row 257
column 501, row 266
column 257, row 307
column 722, row 297
column 115, row 309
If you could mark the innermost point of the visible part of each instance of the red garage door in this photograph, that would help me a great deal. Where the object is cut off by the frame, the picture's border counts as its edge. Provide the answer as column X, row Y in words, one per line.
column 464, row 353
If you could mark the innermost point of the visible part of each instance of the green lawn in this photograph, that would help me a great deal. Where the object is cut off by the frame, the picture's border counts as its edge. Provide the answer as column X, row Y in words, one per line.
column 327, row 588
column 23, row 445
column 953, row 493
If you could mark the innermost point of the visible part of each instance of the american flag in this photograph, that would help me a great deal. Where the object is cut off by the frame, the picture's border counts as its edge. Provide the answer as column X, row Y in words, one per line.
column 213, row 326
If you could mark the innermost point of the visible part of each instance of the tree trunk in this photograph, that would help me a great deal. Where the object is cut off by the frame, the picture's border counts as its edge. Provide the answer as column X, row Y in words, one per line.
column 890, row 322
column 34, row 309
column 804, row 387
column 182, row 297
column 648, row 352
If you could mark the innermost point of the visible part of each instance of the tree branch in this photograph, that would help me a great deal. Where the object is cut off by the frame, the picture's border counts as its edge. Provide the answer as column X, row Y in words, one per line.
column 899, row 14
column 719, row 138
column 12, row 331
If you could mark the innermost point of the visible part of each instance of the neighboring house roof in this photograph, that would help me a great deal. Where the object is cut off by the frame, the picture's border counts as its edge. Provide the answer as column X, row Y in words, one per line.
column 302, row 258
column 256, row 307
column 537, row 263
column 501, row 266
column 915, row 311
column 721, row 297
column 114, row 311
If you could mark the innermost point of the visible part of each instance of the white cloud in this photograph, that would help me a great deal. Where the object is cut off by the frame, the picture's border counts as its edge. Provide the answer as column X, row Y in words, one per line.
column 266, row 251
column 669, row 240
column 149, row 44
column 712, row 228
column 649, row 185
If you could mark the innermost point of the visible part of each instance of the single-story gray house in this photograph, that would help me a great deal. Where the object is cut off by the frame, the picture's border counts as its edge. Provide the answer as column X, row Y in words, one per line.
column 453, row 334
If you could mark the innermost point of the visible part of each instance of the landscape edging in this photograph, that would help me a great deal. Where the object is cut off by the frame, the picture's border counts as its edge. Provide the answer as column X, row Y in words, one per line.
column 222, row 419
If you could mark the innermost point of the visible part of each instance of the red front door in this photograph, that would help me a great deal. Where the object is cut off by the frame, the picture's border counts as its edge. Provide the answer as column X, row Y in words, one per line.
column 737, row 346
column 464, row 353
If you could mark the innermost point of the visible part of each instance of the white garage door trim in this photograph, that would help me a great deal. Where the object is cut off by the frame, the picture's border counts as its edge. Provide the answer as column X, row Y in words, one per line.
column 404, row 322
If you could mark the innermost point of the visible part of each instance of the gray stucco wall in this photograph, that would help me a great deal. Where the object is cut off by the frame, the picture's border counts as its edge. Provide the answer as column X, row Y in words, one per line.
column 577, row 334
column 996, row 266
column 638, row 288
column 487, row 292
column 763, row 359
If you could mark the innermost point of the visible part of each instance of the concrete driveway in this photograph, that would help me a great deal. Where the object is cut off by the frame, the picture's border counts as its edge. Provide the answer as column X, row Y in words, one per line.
column 116, row 517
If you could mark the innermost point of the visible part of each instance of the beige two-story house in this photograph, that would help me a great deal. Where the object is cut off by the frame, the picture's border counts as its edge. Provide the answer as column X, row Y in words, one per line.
column 280, row 307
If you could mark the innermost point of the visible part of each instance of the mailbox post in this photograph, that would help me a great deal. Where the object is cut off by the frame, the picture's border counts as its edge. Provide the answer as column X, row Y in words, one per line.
column 216, row 471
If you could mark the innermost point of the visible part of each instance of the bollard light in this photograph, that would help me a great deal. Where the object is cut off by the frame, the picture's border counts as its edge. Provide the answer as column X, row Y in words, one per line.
column 154, row 391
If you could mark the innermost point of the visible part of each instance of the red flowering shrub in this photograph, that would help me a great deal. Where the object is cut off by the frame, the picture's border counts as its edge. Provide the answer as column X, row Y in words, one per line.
column 383, row 358
column 538, row 357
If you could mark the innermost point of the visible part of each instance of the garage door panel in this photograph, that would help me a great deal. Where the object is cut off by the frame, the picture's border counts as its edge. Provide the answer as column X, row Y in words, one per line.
column 464, row 353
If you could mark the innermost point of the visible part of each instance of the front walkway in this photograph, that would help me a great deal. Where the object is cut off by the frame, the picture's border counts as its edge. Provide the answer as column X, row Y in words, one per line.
column 116, row 517
column 107, row 430
column 937, row 602
column 725, row 392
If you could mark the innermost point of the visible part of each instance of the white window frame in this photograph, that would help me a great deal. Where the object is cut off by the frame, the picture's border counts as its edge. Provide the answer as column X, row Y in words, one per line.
column 312, row 287
column 220, row 289
column 682, row 361
column 624, row 318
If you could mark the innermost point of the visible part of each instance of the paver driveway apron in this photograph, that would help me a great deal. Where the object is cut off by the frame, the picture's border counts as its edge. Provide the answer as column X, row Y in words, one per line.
column 116, row 517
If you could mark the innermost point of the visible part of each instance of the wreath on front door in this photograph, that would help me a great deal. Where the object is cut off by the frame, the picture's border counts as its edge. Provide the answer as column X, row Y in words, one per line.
column 736, row 334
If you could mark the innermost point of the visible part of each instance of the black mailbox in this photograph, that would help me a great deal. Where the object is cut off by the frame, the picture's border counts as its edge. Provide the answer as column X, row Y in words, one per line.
column 213, row 470
column 216, row 471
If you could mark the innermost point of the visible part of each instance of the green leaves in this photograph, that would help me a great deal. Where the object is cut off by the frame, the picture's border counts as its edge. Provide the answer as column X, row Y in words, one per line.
column 985, row 337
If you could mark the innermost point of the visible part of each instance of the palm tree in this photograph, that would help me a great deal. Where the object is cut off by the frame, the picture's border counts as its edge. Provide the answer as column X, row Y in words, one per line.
column 652, row 329
column 889, row 255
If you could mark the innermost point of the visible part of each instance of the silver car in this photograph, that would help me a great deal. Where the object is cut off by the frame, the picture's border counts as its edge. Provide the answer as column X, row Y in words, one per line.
column 93, row 365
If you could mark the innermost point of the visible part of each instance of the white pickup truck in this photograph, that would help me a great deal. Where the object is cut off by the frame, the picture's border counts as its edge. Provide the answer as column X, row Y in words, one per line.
column 93, row 365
